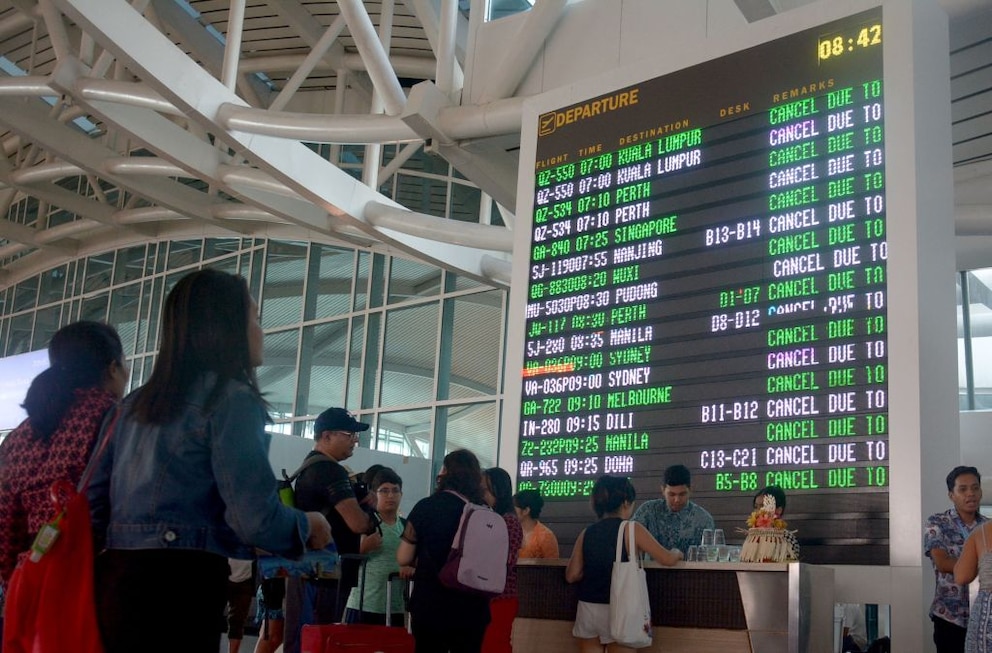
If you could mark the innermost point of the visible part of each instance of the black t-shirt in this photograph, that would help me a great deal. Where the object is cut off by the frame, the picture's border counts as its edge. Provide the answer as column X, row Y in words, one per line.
column 319, row 488
column 435, row 520
column 599, row 550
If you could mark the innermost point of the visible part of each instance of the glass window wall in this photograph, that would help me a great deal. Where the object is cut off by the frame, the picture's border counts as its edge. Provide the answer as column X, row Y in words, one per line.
column 411, row 349
column 974, row 291
column 409, row 356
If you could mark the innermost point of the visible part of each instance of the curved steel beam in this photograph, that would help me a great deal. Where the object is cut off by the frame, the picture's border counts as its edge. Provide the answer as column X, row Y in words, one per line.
column 316, row 128
column 151, row 55
column 469, row 234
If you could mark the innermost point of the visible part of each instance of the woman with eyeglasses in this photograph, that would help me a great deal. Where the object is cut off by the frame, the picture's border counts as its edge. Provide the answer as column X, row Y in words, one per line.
column 380, row 547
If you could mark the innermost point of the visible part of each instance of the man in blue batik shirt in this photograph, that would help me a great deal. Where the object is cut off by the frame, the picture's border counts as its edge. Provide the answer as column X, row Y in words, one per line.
column 674, row 521
column 943, row 539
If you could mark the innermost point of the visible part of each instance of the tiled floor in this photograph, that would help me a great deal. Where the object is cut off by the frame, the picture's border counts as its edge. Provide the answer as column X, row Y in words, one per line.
column 247, row 644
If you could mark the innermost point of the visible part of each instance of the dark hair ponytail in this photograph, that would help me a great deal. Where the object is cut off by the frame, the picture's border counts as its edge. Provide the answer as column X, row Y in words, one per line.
column 610, row 493
column 79, row 355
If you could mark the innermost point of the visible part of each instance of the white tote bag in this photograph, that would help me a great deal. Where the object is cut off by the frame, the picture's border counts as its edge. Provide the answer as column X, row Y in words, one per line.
column 630, row 609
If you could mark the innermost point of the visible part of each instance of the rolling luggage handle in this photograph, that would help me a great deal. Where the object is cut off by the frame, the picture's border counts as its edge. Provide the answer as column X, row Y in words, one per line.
column 389, row 601
column 357, row 638
column 342, row 607
column 362, row 560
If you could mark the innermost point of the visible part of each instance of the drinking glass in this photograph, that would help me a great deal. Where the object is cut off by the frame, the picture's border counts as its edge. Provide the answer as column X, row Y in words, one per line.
column 707, row 539
column 718, row 537
column 712, row 553
column 735, row 554
column 692, row 555
column 723, row 553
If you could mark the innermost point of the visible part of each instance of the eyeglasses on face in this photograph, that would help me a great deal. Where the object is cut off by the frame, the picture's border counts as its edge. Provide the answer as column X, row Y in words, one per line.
column 348, row 434
column 385, row 491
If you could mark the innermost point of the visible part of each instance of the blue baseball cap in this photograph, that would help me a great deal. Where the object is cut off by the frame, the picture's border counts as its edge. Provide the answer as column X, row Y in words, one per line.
column 337, row 419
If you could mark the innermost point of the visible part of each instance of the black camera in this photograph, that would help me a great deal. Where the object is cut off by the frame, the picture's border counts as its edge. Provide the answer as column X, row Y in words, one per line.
column 361, row 490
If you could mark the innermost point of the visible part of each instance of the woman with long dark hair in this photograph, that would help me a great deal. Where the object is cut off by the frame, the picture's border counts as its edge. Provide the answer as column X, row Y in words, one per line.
column 498, row 493
column 184, row 482
column 443, row 620
column 65, row 405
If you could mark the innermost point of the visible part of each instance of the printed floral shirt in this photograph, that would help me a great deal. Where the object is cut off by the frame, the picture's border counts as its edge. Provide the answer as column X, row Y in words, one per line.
column 28, row 468
column 516, row 536
column 674, row 530
column 946, row 531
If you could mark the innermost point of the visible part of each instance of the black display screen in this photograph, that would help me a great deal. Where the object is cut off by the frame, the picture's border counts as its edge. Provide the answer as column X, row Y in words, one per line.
column 707, row 286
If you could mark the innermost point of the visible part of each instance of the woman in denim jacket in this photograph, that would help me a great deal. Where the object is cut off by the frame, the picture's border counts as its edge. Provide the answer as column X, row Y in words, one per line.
column 184, row 481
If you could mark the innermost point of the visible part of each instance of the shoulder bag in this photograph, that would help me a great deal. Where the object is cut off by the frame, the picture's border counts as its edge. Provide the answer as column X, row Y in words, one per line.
column 51, row 598
column 630, row 608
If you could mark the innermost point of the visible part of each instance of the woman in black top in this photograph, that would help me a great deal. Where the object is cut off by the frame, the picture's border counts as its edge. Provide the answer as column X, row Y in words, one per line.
column 443, row 620
column 592, row 559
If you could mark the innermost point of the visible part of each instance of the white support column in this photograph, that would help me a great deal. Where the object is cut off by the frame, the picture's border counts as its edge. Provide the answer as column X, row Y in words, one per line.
column 373, row 151
column 105, row 60
column 340, row 90
column 485, row 209
column 375, row 57
column 447, row 36
column 401, row 157
column 430, row 22
column 56, row 30
column 309, row 63
column 232, row 51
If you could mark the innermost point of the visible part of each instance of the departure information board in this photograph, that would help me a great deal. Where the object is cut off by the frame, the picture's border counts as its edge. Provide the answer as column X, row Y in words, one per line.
column 707, row 286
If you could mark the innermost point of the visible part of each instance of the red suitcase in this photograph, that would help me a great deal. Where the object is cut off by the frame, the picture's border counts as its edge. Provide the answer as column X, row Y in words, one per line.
column 357, row 638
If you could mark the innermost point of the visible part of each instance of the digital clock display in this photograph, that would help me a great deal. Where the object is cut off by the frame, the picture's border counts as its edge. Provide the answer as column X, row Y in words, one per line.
column 707, row 286
column 835, row 45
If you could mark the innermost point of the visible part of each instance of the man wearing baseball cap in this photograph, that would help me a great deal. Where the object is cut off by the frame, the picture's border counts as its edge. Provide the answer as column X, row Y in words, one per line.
column 324, row 486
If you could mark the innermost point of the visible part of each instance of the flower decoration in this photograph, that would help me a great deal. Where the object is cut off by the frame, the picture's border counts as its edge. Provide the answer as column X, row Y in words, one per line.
column 766, row 516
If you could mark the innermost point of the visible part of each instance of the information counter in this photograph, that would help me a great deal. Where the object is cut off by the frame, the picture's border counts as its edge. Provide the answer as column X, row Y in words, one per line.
column 696, row 607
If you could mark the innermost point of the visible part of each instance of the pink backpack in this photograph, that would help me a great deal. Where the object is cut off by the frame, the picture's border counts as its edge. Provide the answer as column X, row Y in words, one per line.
column 479, row 552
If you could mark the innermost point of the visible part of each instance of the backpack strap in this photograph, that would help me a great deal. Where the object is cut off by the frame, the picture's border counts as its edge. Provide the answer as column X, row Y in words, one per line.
column 310, row 461
column 458, row 494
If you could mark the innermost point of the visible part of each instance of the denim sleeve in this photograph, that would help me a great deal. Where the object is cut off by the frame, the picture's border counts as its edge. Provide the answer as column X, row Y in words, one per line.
column 245, row 479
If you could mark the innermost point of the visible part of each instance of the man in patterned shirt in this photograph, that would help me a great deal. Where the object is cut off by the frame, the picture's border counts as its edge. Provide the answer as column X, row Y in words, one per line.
column 943, row 538
column 674, row 521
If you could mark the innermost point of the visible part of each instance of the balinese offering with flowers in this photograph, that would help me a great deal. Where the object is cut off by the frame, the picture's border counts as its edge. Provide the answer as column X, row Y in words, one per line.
column 767, row 538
